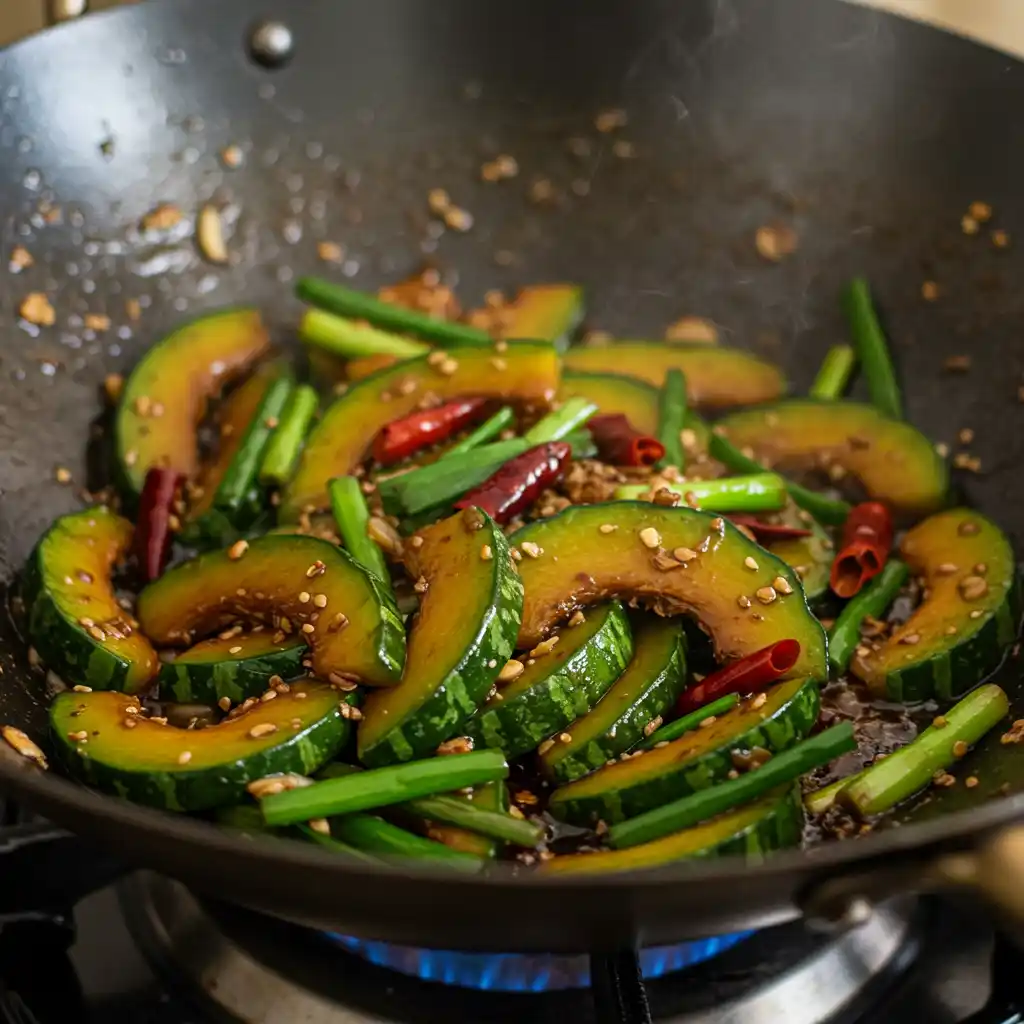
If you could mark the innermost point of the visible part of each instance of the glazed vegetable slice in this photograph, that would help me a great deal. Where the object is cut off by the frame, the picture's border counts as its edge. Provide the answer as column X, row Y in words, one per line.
column 464, row 632
column 715, row 377
column 687, row 723
column 107, row 742
column 774, row 721
column 893, row 462
column 567, row 678
column 165, row 397
column 74, row 619
column 636, row 399
column 525, row 372
column 230, row 667
column 290, row 582
column 959, row 632
column 774, row 822
column 545, row 312
column 677, row 560
column 810, row 557
column 371, row 834
column 626, row 714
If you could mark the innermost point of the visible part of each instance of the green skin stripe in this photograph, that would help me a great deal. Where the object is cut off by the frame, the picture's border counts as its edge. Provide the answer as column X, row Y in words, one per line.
column 207, row 682
column 516, row 724
column 787, row 726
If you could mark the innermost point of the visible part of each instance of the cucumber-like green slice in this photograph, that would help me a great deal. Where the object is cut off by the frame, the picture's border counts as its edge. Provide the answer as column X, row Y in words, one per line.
column 774, row 822
column 775, row 720
column 233, row 668
column 646, row 689
column 810, row 557
column 563, row 683
column 463, row 634
column 105, row 741
column 74, row 619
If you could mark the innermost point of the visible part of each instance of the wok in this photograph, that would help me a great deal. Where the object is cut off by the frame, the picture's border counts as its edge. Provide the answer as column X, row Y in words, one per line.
column 869, row 134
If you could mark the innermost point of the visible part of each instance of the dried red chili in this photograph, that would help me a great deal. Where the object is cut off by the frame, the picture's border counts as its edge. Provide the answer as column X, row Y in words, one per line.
column 748, row 675
column 519, row 482
column 621, row 444
column 867, row 538
column 768, row 532
column 153, row 529
column 401, row 438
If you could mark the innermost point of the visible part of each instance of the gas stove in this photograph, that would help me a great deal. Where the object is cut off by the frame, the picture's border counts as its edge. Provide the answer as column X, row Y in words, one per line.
column 145, row 949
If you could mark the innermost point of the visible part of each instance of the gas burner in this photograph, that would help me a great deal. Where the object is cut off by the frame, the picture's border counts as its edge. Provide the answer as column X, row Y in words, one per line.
column 246, row 968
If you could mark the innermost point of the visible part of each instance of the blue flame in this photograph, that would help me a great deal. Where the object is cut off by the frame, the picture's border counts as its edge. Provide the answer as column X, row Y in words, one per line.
column 523, row 972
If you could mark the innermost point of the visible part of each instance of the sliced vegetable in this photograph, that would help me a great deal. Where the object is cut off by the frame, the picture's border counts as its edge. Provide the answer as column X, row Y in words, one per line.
column 873, row 600
column 809, row 555
column 703, row 758
column 967, row 617
column 164, row 399
column 455, row 810
column 352, row 339
column 834, row 375
column 493, row 796
column 339, row 442
column 503, row 419
column 425, row 427
column 353, row 519
column 347, row 302
column 545, row 312
column 751, row 674
column 873, row 349
column 74, row 619
column 635, row 703
column 282, row 452
column 465, row 631
column 569, row 675
column 672, row 418
column 774, row 822
column 903, row 772
column 621, row 444
column 867, row 538
column 893, row 462
column 290, row 582
column 373, row 835
column 782, row 769
column 636, row 399
column 231, row 667
column 676, row 559
column 153, row 532
column 108, row 742
column 689, row 722
column 517, row 485
column 716, row 377
column 759, row 492
column 380, row 787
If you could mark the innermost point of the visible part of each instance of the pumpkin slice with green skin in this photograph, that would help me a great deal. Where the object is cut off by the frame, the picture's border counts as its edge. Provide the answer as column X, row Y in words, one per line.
column 232, row 667
column 288, row 582
column 775, row 822
column 463, row 634
column 811, row 557
column 960, row 631
column 165, row 398
column 636, row 399
column 715, row 377
column 589, row 553
column 630, row 710
column 545, row 312
column 526, row 372
column 774, row 721
column 195, row 769
column 557, row 685
column 894, row 462
column 74, row 619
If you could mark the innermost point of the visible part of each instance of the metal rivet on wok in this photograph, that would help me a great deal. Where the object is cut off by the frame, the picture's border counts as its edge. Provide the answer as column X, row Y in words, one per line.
column 271, row 43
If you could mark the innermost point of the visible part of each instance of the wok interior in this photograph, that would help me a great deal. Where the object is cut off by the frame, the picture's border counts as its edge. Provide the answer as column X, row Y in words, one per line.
column 844, row 125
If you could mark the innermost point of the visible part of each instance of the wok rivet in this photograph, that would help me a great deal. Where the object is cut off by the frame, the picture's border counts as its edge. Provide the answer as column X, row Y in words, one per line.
column 271, row 43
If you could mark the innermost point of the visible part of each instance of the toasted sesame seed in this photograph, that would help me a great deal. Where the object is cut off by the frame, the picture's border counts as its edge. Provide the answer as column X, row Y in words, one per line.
column 743, row 601
column 759, row 701
column 340, row 621
column 486, row 554
column 782, row 585
column 649, row 537
column 320, row 600
column 304, row 597
column 349, row 711
column 456, row 745
column 973, row 587
column 578, row 618
column 564, row 737
column 308, row 627
column 97, row 633
column 911, row 638
column 62, row 475
column 263, row 729
column 684, row 554
column 765, row 594
column 80, row 736
column 1000, row 238
column 23, row 744
column 421, row 586
column 607, row 528
column 224, row 703
column 238, row 549
column 977, row 613
column 512, row 669
column 971, row 781
column 529, row 548
column 940, row 721
column 184, row 757
column 320, row 825
column 316, row 569
column 946, row 569
column 237, row 649
column 79, row 688
column 130, row 723
column 959, row 748
column 545, row 647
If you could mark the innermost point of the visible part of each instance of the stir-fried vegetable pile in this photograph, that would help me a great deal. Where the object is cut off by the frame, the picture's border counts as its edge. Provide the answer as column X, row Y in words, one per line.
column 450, row 549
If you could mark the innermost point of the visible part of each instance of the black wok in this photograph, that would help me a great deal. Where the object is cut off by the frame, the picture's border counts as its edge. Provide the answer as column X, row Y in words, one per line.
column 870, row 134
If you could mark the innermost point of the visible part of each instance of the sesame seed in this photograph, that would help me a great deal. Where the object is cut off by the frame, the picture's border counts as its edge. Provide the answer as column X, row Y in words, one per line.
column 340, row 621
column 940, row 721
column 308, row 627
column 529, row 548
column 81, row 736
column 959, row 748
column 320, row 600
column 421, row 586
column 238, row 549
column 759, row 701
column 268, row 695
column 946, row 569
column 97, row 633
column 23, row 744
column 743, row 601
column 512, row 669
column 224, row 703
column 545, row 647
column 684, row 554
column 968, row 528
column 564, row 737
column 649, row 537
column 971, row 781
column 578, row 618
column 981, row 568
column 79, row 688
column 349, row 711
column 184, row 757
column 765, row 594
column 911, row 638
column 62, row 475
column 750, row 563
column 973, row 587
column 486, row 554
column 977, row 613
column 263, row 729
column 304, row 597
column 607, row 528
column 316, row 569
column 320, row 825
column 415, row 542
column 782, row 585
column 237, row 649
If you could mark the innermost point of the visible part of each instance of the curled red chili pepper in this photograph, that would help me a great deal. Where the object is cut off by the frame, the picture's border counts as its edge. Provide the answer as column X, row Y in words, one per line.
column 867, row 538
column 519, row 482
column 424, row 428
column 768, row 532
column 153, row 530
column 621, row 444
column 749, row 674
